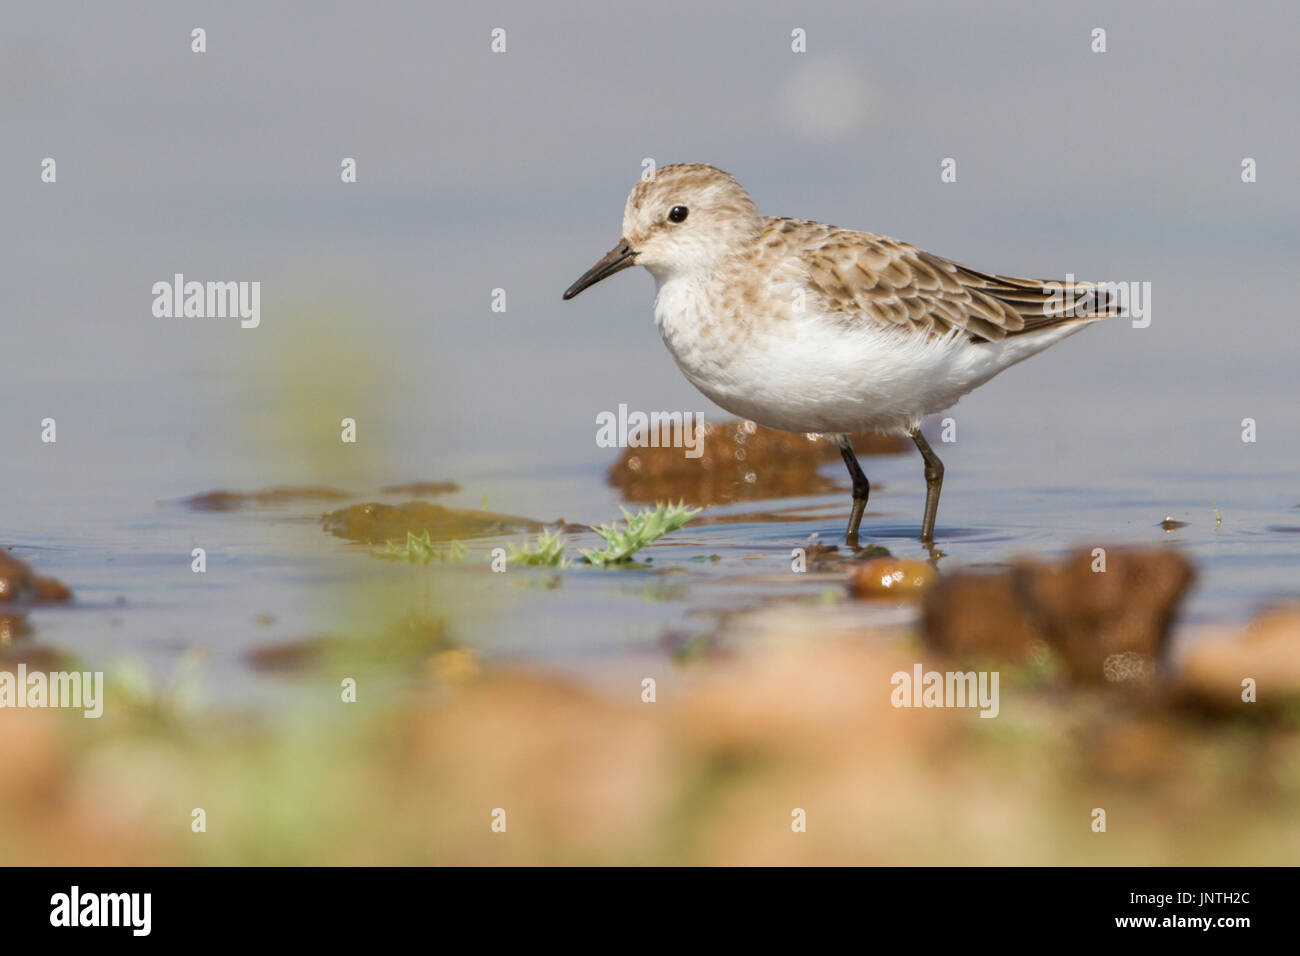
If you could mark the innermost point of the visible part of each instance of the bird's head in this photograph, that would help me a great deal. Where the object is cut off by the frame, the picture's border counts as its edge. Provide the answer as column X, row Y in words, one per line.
column 682, row 221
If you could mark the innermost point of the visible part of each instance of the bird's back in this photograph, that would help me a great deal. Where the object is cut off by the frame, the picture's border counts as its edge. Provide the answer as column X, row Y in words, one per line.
column 864, row 277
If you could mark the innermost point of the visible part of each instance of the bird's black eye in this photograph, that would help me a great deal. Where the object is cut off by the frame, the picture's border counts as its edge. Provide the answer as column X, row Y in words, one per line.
column 677, row 214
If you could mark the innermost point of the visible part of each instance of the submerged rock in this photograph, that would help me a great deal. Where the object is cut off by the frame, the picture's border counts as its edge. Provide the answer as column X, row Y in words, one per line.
column 740, row 460
column 422, row 489
column 1256, row 668
column 1107, row 625
column 18, row 583
column 398, row 646
column 287, row 655
column 377, row 523
column 266, row 498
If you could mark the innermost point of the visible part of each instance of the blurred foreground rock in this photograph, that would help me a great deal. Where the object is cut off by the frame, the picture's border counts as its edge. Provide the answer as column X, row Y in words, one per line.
column 740, row 460
column 1108, row 625
column 777, row 754
column 1256, row 669
column 18, row 583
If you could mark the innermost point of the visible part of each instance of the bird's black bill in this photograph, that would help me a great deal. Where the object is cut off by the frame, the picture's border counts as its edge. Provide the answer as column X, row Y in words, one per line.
column 616, row 260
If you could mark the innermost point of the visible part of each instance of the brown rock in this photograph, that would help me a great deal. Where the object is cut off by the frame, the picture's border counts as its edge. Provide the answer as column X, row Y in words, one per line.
column 1108, row 626
column 287, row 655
column 891, row 577
column 17, row 583
column 422, row 489
column 266, row 498
column 973, row 615
column 50, row 589
column 15, row 577
column 739, row 460
column 1267, row 652
column 377, row 523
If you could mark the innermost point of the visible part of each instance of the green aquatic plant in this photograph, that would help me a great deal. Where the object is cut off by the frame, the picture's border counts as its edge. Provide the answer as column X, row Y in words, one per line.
column 640, row 530
column 421, row 550
column 621, row 543
column 547, row 552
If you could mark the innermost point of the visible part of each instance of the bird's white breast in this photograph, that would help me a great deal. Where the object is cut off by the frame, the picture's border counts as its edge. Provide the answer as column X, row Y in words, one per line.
column 811, row 371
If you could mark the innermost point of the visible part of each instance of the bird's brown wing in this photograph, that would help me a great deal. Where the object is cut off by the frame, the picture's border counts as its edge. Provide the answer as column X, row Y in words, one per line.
column 868, row 277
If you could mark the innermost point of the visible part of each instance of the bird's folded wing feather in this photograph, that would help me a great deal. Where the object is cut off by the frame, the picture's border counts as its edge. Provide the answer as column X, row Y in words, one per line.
column 866, row 277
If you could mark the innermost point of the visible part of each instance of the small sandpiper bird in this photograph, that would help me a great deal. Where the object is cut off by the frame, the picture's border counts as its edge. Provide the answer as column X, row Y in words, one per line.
column 806, row 327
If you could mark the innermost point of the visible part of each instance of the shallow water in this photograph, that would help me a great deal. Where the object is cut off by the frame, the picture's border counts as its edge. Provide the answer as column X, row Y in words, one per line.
column 376, row 305
column 116, row 530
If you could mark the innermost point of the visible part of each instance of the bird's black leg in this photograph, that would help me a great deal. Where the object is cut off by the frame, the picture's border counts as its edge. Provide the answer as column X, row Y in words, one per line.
column 861, row 487
column 933, row 483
